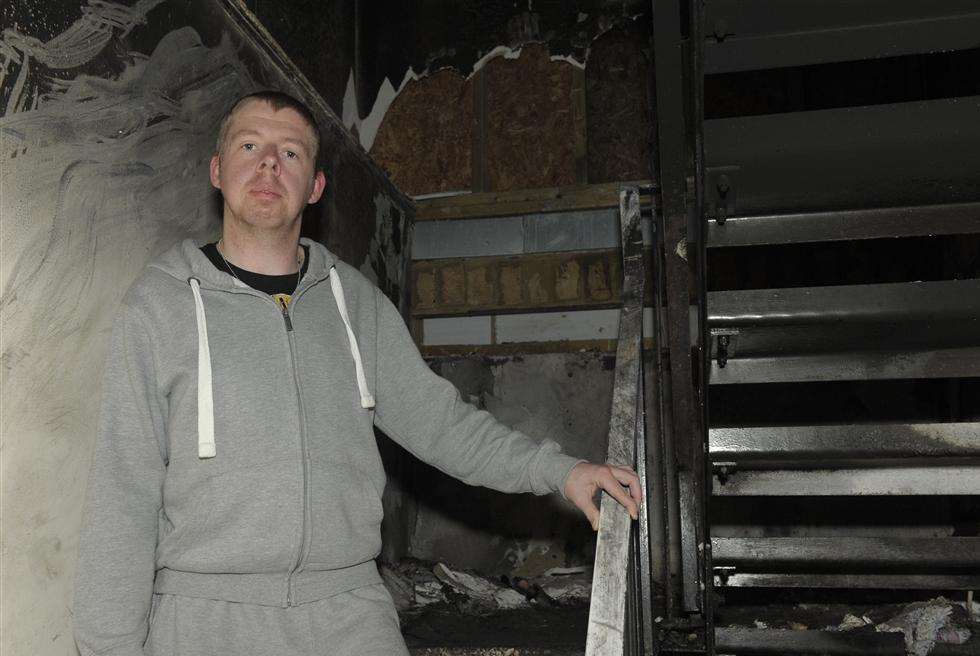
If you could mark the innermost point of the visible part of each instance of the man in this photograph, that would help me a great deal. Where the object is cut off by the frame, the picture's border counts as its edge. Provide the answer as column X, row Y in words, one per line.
column 235, row 494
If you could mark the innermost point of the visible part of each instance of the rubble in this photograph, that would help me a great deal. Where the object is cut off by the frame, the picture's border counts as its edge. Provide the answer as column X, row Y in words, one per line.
column 851, row 622
column 567, row 586
column 922, row 624
column 414, row 584
column 480, row 590
column 925, row 623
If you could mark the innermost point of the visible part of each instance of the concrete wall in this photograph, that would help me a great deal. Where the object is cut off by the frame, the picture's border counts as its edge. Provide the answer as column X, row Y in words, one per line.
column 565, row 397
column 106, row 134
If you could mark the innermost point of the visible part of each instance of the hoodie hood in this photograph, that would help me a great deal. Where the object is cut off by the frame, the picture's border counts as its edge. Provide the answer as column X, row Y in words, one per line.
column 185, row 261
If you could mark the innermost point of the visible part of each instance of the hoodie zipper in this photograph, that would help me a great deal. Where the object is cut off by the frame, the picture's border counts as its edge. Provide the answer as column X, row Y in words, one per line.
column 304, row 456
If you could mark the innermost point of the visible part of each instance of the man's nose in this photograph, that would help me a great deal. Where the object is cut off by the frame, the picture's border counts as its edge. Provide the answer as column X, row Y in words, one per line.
column 270, row 159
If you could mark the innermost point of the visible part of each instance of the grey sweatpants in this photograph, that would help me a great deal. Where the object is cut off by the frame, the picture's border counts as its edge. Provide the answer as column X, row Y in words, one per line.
column 362, row 622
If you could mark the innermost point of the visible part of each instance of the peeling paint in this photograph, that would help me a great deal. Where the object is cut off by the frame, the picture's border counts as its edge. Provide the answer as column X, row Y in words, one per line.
column 367, row 128
column 385, row 264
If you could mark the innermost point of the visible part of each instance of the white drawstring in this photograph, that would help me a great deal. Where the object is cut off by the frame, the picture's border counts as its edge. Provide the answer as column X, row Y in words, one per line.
column 367, row 401
column 205, row 400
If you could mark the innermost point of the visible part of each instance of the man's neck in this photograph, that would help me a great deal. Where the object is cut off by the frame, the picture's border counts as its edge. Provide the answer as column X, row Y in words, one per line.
column 269, row 256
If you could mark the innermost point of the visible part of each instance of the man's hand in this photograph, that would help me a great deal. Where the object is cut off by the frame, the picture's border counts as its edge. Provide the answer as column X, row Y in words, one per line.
column 586, row 479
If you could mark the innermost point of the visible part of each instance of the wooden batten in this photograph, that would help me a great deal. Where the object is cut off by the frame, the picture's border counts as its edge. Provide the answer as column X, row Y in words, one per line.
column 524, row 201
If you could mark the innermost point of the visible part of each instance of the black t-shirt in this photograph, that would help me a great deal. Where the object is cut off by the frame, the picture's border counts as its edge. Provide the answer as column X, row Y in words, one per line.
column 279, row 287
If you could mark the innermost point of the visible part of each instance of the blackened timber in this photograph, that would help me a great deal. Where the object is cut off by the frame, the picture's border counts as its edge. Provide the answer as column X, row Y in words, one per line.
column 524, row 201
column 780, row 642
column 677, row 90
column 747, row 446
column 853, row 365
column 758, row 34
column 945, row 300
column 840, row 552
column 846, row 225
column 914, row 153
column 849, row 581
column 608, row 627
column 700, row 349
column 878, row 481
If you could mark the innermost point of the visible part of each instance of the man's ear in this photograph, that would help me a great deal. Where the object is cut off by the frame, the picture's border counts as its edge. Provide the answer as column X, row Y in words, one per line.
column 319, row 184
column 215, row 167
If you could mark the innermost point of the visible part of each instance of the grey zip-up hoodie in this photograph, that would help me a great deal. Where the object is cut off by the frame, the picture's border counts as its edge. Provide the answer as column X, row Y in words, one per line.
column 235, row 456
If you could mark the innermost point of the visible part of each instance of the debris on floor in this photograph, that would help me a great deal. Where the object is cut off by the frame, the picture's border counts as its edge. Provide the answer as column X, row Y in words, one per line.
column 922, row 624
column 567, row 586
column 427, row 593
column 851, row 622
column 414, row 585
column 925, row 623
column 479, row 593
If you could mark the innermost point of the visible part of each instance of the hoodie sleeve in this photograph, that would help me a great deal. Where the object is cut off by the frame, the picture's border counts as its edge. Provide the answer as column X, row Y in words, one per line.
column 116, row 557
column 425, row 414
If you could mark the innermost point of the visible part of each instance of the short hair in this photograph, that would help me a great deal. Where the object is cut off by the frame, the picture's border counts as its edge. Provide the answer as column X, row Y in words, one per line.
column 277, row 100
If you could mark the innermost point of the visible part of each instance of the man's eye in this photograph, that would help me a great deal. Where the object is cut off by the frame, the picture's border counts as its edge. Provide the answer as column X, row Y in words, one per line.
column 248, row 146
column 291, row 154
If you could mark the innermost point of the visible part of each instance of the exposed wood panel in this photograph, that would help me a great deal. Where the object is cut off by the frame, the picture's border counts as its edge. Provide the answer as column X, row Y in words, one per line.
column 428, row 151
column 530, row 127
column 525, row 348
column 580, row 120
column 488, row 285
column 618, row 109
column 523, row 201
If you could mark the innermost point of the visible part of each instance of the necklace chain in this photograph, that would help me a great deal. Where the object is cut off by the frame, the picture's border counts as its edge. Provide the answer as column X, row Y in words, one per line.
column 217, row 247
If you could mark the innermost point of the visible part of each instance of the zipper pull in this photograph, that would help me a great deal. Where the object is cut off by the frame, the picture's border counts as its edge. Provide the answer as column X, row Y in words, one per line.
column 284, row 307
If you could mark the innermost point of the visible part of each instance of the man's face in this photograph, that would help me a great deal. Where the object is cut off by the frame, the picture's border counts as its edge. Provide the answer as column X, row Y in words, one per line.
column 266, row 168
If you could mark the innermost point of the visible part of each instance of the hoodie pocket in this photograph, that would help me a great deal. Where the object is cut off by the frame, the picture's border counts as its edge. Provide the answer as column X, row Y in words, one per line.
column 346, row 513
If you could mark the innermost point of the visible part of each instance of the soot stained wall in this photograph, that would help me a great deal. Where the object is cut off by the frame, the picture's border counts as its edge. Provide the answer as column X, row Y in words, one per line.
column 319, row 38
column 434, row 34
column 108, row 113
column 564, row 397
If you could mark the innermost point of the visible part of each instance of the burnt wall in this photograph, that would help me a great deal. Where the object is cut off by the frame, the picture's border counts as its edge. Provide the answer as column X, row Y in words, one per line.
column 108, row 115
column 526, row 118
column 559, row 396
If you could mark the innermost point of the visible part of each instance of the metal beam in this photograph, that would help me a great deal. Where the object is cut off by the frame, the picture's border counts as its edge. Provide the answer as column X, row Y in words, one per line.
column 868, row 365
column 896, row 335
column 782, row 642
column 880, row 481
column 780, row 444
column 951, row 300
column 760, row 34
column 915, row 153
column 846, row 225
column 839, row 552
column 850, row 581
column 522, row 201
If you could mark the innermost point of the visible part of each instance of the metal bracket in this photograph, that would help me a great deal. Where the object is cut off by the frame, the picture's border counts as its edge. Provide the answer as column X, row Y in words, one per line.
column 720, row 192
column 723, row 470
column 724, row 345
column 721, row 575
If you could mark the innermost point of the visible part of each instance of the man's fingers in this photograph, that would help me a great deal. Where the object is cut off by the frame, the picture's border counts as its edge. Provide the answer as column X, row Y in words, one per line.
column 611, row 484
column 592, row 514
column 587, row 478
column 627, row 476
